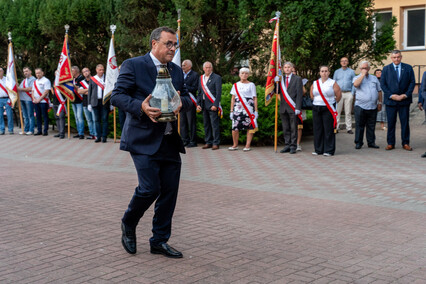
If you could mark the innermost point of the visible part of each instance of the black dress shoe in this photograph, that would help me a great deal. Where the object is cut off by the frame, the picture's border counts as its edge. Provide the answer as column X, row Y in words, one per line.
column 359, row 146
column 45, row 134
column 128, row 239
column 61, row 136
column 104, row 139
column 285, row 149
column 76, row 136
column 373, row 146
column 424, row 155
column 81, row 137
column 350, row 132
column 292, row 151
column 191, row 145
column 56, row 135
column 166, row 250
column 37, row 134
column 98, row 140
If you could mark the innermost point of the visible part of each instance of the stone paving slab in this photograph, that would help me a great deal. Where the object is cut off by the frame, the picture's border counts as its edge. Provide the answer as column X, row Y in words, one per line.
column 259, row 217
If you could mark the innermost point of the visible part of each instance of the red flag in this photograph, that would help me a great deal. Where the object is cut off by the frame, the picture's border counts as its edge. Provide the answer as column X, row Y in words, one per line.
column 63, row 76
column 274, row 63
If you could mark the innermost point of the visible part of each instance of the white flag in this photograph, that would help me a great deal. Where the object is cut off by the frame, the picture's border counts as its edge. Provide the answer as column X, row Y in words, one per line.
column 11, row 85
column 111, row 72
column 176, row 58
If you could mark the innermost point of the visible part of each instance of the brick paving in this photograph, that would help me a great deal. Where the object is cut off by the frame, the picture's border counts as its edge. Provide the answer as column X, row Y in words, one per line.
column 261, row 217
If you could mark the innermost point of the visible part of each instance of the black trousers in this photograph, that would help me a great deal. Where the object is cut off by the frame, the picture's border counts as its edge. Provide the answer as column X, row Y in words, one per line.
column 365, row 119
column 211, row 127
column 404, row 117
column 158, row 177
column 289, row 122
column 60, row 120
column 324, row 137
column 188, row 127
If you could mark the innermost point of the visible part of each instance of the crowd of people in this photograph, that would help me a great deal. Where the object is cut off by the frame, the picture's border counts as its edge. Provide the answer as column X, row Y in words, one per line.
column 373, row 98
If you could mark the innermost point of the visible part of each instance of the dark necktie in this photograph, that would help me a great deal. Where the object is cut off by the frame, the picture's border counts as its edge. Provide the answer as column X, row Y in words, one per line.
column 397, row 72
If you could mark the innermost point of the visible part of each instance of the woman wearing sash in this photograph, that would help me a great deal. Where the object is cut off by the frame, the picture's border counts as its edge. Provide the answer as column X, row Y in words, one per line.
column 243, row 109
column 325, row 94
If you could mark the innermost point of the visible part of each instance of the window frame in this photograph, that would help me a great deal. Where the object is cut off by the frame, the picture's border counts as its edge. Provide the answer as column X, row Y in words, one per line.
column 405, row 29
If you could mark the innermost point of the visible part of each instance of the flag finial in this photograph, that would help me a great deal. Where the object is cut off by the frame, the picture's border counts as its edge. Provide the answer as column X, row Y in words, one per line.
column 9, row 36
column 178, row 11
column 113, row 28
column 278, row 14
column 67, row 27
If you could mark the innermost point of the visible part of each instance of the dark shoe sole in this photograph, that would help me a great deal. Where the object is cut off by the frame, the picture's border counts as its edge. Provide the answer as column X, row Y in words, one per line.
column 126, row 249
column 166, row 255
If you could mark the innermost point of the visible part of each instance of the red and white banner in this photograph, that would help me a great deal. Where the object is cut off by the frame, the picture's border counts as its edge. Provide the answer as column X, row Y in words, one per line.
column 63, row 76
column 210, row 96
column 274, row 68
column 11, row 82
column 111, row 72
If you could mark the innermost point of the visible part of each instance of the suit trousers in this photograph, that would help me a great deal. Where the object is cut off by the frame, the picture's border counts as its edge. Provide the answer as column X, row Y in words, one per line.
column 158, row 177
column 365, row 119
column 289, row 122
column 324, row 136
column 404, row 116
column 101, row 118
column 188, row 127
column 346, row 101
column 211, row 127
column 60, row 120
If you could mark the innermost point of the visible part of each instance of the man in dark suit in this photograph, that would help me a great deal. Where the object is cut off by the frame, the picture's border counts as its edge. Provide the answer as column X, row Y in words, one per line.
column 209, row 95
column 422, row 100
column 398, row 83
column 188, row 127
column 154, row 146
column 290, row 107
column 100, row 110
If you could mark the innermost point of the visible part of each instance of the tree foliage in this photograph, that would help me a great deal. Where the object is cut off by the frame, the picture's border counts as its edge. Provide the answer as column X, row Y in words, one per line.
column 224, row 32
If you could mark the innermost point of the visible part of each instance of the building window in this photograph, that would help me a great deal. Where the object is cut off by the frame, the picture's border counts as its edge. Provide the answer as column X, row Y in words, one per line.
column 414, row 28
column 381, row 19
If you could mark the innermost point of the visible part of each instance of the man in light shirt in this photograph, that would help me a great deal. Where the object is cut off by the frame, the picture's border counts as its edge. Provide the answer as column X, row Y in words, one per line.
column 25, row 89
column 4, row 97
column 40, row 92
column 368, row 100
column 344, row 76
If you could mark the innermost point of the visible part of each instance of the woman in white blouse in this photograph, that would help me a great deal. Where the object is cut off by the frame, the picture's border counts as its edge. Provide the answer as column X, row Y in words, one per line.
column 323, row 112
column 243, row 106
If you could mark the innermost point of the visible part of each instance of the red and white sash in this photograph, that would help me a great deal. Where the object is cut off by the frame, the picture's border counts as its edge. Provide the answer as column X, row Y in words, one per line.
column 193, row 99
column 289, row 100
column 3, row 88
column 75, row 90
column 101, row 85
column 210, row 96
column 245, row 105
column 39, row 93
column 84, row 84
column 28, row 93
column 61, row 102
column 331, row 108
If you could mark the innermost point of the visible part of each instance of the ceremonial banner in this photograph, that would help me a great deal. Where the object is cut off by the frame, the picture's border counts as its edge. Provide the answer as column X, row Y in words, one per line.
column 11, row 83
column 63, row 77
column 111, row 72
column 176, row 59
column 274, row 64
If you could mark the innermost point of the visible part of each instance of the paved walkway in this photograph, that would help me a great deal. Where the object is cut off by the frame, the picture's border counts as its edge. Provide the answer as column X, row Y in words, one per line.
column 259, row 217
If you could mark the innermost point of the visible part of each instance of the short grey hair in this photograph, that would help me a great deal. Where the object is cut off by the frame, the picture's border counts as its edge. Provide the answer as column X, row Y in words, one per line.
column 288, row 63
column 156, row 34
column 396, row 51
column 75, row 68
column 364, row 62
column 207, row 62
column 244, row 70
column 188, row 61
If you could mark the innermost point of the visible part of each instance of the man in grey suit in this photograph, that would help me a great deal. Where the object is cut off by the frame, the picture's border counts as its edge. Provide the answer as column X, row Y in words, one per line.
column 208, row 100
column 291, row 93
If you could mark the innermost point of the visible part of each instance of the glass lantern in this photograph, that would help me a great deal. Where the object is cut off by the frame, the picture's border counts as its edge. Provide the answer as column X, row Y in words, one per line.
column 164, row 96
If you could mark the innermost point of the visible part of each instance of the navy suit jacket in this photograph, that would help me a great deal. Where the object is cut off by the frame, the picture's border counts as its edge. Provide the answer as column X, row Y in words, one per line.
column 135, row 83
column 422, row 90
column 295, row 90
column 215, row 86
column 191, row 82
column 390, row 85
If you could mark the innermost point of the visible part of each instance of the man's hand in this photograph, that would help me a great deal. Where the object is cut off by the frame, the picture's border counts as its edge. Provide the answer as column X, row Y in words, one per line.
column 151, row 112
column 89, row 108
column 213, row 108
column 199, row 108
column 379, row 107
column 297, row 112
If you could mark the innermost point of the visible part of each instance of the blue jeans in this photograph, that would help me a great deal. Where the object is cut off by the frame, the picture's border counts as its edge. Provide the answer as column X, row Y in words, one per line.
column 78, row 114
column 41, row 111
column 28, row 113
column 90, row 121
column 101, row 115
column 9, row 113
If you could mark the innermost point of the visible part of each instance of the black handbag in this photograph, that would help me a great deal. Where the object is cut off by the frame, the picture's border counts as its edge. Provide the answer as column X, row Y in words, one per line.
column 307, row 103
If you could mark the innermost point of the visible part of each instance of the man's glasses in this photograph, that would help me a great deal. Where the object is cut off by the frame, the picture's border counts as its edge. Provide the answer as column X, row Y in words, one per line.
column 170, row 44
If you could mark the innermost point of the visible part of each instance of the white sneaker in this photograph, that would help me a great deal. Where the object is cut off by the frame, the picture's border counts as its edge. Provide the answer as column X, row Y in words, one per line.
column 315, row 153
column 29, row 133
column 20, row 132
column 246, row 149
column 299, row 148
column 327, row 155
column 232, row 148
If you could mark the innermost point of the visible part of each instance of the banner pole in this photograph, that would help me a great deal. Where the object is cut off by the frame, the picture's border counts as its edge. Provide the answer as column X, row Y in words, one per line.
column 68, row 119
column 178, row 32
column 277, row 66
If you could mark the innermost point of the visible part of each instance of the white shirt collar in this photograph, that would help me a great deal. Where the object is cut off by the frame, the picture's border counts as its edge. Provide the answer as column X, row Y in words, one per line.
column 157, row 62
